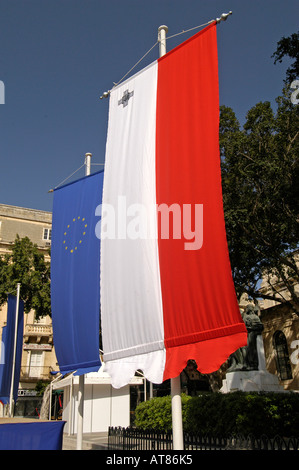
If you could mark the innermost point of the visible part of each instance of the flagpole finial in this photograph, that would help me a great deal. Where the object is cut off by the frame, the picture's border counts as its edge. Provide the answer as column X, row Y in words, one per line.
column 223, row 17
column 162, row 31
column 163, row 27
column 87, row 163
column 105, row 94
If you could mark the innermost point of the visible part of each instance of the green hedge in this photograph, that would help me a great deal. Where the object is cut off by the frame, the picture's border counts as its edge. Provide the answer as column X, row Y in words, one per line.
column 221, row 414
column 155, row 414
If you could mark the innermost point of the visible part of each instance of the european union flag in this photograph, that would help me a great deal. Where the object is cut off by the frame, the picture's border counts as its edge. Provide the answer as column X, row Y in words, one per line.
column 75, row 274
column 7, row 350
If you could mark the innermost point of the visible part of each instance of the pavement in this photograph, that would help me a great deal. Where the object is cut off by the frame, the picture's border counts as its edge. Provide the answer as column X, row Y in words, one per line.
column 90, row 441
column 15, row 420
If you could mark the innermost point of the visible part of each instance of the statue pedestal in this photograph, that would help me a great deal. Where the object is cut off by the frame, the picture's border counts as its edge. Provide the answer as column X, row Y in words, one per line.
column 251, row 381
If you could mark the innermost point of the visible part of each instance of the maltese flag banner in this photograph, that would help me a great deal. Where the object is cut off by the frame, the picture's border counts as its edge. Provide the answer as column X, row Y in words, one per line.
column 167, row 292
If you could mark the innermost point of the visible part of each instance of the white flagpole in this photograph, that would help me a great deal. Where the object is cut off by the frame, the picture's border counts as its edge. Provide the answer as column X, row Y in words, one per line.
column 14, row 352
column 80, row 412
column 82, row 377
column 162, row 31
column 177, row 418
column 176, row 402
column 50, row 402
column 87, row 163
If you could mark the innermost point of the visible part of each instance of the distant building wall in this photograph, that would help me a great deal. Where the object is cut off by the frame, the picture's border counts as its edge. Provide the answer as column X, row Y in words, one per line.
column 31, row 223
column 38, row 357
column 281, row 335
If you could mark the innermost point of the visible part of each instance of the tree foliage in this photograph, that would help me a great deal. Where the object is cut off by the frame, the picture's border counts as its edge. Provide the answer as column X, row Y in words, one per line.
column 260, row 174
column 260, row 177
column 289, row 47
column 26, row 265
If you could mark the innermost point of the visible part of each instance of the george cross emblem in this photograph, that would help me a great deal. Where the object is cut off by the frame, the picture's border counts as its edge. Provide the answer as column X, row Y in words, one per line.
column 126, row 96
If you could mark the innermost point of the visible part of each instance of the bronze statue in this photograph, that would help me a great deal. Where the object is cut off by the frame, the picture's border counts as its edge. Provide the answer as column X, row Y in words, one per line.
column 246, row 358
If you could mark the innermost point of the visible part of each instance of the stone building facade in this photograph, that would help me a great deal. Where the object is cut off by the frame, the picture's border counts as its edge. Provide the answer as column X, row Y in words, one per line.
column 281, row 334
column 38, row 356
column 281, row 342
column 31, row 223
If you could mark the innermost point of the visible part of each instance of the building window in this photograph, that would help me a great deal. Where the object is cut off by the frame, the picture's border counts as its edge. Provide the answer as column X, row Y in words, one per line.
column 47, row 234
column 35, row 364
column 282, row 356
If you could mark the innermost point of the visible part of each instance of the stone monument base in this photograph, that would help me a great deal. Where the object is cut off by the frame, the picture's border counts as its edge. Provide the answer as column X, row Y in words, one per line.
column 251, row 381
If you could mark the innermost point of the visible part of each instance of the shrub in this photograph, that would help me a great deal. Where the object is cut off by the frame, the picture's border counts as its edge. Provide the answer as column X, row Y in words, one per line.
column 244, row 413
column 155, row 414
column 221, row 414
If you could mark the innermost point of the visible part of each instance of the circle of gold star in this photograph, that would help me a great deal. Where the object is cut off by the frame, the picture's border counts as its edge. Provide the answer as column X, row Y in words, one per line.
column 74, row 248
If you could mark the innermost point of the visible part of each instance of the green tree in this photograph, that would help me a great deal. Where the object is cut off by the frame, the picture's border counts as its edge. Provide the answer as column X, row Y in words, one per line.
column 289, row 47
column 26, row 265
column 260, row 177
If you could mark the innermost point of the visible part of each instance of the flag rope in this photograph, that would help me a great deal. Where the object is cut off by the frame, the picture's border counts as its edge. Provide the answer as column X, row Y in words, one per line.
column 188, row 30
column 60, row 184
column 107, row 93
column 132, row 68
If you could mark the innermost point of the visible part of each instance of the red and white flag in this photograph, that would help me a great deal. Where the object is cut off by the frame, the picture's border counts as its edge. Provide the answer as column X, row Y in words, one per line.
column 167, row 293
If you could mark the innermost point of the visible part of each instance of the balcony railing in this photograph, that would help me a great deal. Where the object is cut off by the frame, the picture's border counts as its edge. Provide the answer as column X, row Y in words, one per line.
column 35, row 373
column 38, row 331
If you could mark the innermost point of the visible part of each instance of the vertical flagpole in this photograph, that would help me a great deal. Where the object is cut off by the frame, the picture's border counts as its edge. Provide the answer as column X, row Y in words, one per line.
column 50, row 401
column 82, row 377
column 176, row 402
column 177, row 418
column 87, row 163
column 71, row 407
column 14, row 352
column 80, row 412
column 162, row 30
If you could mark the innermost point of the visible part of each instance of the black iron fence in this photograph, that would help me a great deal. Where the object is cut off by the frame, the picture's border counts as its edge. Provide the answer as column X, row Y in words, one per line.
column 136, row 439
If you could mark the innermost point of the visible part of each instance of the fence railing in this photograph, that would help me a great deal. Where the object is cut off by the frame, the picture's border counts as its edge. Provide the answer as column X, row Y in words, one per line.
column 136, row 439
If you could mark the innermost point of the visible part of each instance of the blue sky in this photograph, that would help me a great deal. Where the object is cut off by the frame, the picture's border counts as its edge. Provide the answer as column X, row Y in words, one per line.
column 58, row 56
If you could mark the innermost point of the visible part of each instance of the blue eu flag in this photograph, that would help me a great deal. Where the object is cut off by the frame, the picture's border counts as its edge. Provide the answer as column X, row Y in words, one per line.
column 75, row 274
column 7, row 350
